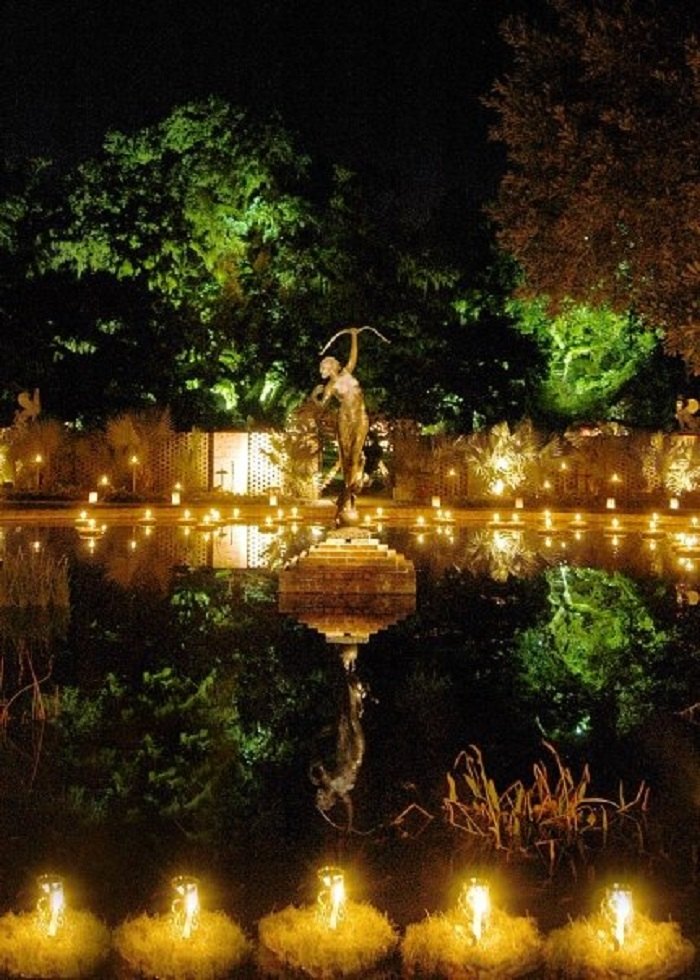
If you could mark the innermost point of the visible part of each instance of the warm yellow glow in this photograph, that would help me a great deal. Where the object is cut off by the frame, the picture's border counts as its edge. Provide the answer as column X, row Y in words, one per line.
column 674, row 503
column 548, row 520
column 475, row 903
column 38, row 459
column 332, row 898
column 519, row 503
column 104, row 480
column 611, row 503
column 435, row 502
column 547, row 485
column 498, row 487
column 236, row 513
column 420, row 520
column 272, row 500
column 134, row 460
column 616, row 478
column 617, row 906
column 294, row 513
column 51, row 905
column 185, row 908
column 380, row 511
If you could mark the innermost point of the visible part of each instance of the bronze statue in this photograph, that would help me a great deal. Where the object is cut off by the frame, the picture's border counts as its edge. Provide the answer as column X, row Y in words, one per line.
column 352, row 422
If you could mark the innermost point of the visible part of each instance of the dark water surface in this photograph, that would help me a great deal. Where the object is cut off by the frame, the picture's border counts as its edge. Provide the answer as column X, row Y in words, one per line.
column 183, row 723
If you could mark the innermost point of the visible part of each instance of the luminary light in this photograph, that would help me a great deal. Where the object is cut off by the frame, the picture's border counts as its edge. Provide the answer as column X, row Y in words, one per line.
column 519, row 503
column 185, row 908
column 51, row 905
column 611, row 503
column 272, row 500
column 617, row 906
column 92, row 497
column 331, row 898
column 475, row 904
column 674, row 503
column 175, row 498
column 498, row 487
column 435, row 502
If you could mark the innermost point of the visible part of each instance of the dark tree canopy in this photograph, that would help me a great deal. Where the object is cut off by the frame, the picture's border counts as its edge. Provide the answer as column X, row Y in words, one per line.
column 600, row 115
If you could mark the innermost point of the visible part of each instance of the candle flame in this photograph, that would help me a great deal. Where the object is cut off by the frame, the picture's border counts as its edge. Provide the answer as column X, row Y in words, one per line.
column 185, row 908
column 475, row 902
column 51, row 905
column 331, row 898
column 618, row 905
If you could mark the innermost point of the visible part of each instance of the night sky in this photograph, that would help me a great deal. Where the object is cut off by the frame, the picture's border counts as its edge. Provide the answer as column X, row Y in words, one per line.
column 390, row 86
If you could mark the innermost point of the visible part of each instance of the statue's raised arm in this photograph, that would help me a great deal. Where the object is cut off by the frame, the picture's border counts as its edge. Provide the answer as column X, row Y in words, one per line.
column 352, row 423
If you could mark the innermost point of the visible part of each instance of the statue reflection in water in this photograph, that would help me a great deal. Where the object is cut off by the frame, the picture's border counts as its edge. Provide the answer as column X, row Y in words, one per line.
column 335, row 785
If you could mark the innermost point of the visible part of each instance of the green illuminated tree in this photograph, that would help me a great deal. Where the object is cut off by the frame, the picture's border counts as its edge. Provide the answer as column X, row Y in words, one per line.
column 203, row 241
column 599, row 203
column 591, row 354
column 204, row 214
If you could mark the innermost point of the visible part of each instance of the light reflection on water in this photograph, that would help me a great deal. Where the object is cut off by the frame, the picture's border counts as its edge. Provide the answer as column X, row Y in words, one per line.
column 498, row 553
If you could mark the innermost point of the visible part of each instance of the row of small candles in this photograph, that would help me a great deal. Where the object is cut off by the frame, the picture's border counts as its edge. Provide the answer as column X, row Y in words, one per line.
column 337, row 935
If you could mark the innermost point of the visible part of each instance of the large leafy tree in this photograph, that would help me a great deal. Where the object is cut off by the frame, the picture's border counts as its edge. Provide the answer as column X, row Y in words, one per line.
column 591, row 354
column 600, row 118
column 202, row 243
column 203, row 216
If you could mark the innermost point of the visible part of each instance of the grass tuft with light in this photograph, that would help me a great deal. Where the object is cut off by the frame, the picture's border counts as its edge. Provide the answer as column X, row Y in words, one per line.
column 77, row 950
column 152, row 948
column 442, row 946
column 585, row 949
column 301, row 941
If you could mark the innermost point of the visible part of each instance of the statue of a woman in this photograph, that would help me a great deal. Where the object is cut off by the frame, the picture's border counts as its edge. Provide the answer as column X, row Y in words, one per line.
column 352, row 423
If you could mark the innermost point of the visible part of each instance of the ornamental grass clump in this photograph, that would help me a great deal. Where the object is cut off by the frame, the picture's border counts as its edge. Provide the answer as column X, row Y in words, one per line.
column 442, row 946
column 556, row 820
column 300, row 941
column 585, row 949
column 78, row 949
column 151, row 947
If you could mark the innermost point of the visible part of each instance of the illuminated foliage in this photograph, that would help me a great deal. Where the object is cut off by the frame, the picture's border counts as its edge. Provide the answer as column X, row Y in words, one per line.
column 505, row 459
column 595, row 662
column 143, row 739
column 590, row 354
column 599, row 115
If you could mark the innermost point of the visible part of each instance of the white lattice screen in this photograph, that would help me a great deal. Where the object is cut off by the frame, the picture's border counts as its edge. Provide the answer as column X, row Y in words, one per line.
column 262, row 472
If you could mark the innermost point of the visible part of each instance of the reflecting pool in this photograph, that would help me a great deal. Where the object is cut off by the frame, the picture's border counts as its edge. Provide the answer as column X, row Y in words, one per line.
column 159, row 711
